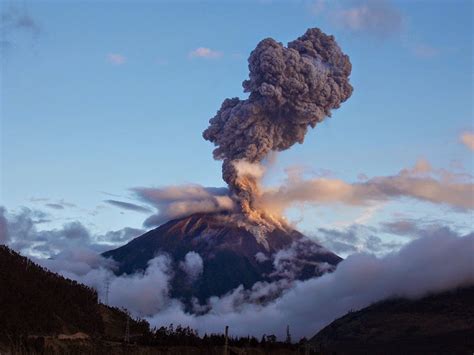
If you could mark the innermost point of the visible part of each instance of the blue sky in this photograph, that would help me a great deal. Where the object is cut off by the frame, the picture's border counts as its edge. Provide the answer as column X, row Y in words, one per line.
column 105, row 96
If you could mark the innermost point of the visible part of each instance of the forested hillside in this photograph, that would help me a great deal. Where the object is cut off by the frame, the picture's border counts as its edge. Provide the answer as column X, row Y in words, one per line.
column 36, row 301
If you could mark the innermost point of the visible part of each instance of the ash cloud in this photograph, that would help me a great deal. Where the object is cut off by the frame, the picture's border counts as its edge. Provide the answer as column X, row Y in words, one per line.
column 290, row 89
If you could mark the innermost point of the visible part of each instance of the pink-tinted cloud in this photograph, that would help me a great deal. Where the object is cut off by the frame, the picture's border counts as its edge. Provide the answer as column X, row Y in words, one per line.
column 420, row 182
column 467, row 138
column 183, row 200
column 116, row 59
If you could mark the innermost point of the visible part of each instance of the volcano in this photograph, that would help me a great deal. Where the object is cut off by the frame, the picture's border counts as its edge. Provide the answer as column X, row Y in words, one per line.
column 231, row 255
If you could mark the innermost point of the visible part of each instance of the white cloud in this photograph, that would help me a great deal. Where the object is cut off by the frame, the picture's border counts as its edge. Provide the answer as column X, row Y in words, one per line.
column 192, row 265
column 143, row 294
column 204, row 52
column 375, row 17
column 260, row 257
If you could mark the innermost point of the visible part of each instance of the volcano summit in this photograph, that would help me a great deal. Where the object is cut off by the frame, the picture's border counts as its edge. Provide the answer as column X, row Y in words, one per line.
column 226, row 253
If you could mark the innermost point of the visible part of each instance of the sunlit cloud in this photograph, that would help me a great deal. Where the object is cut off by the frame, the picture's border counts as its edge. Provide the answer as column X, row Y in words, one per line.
column 467, row 138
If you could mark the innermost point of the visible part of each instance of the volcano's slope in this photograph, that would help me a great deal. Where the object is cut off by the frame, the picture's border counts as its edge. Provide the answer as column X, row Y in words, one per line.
column 231, row 255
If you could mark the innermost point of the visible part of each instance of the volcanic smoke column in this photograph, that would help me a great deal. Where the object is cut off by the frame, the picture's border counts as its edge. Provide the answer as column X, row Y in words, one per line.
column 290, row 89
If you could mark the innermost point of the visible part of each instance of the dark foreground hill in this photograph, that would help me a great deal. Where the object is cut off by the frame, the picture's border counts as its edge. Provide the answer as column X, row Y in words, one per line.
column 35, row 303
column 34, row 300
column 436, row 324
column 231, row 255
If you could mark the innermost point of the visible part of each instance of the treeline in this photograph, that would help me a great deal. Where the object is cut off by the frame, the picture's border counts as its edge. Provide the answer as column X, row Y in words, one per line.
column 34, row 300
column 186, row 336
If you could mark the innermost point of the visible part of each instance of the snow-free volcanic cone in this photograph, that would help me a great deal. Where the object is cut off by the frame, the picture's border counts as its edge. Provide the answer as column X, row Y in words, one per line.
column 290, row 88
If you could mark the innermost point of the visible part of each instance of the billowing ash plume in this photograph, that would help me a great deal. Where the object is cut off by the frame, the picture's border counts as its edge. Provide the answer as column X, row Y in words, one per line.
column 291, row 88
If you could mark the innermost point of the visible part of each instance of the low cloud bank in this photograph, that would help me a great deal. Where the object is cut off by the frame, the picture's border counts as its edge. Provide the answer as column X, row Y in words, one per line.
column 431, row 263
